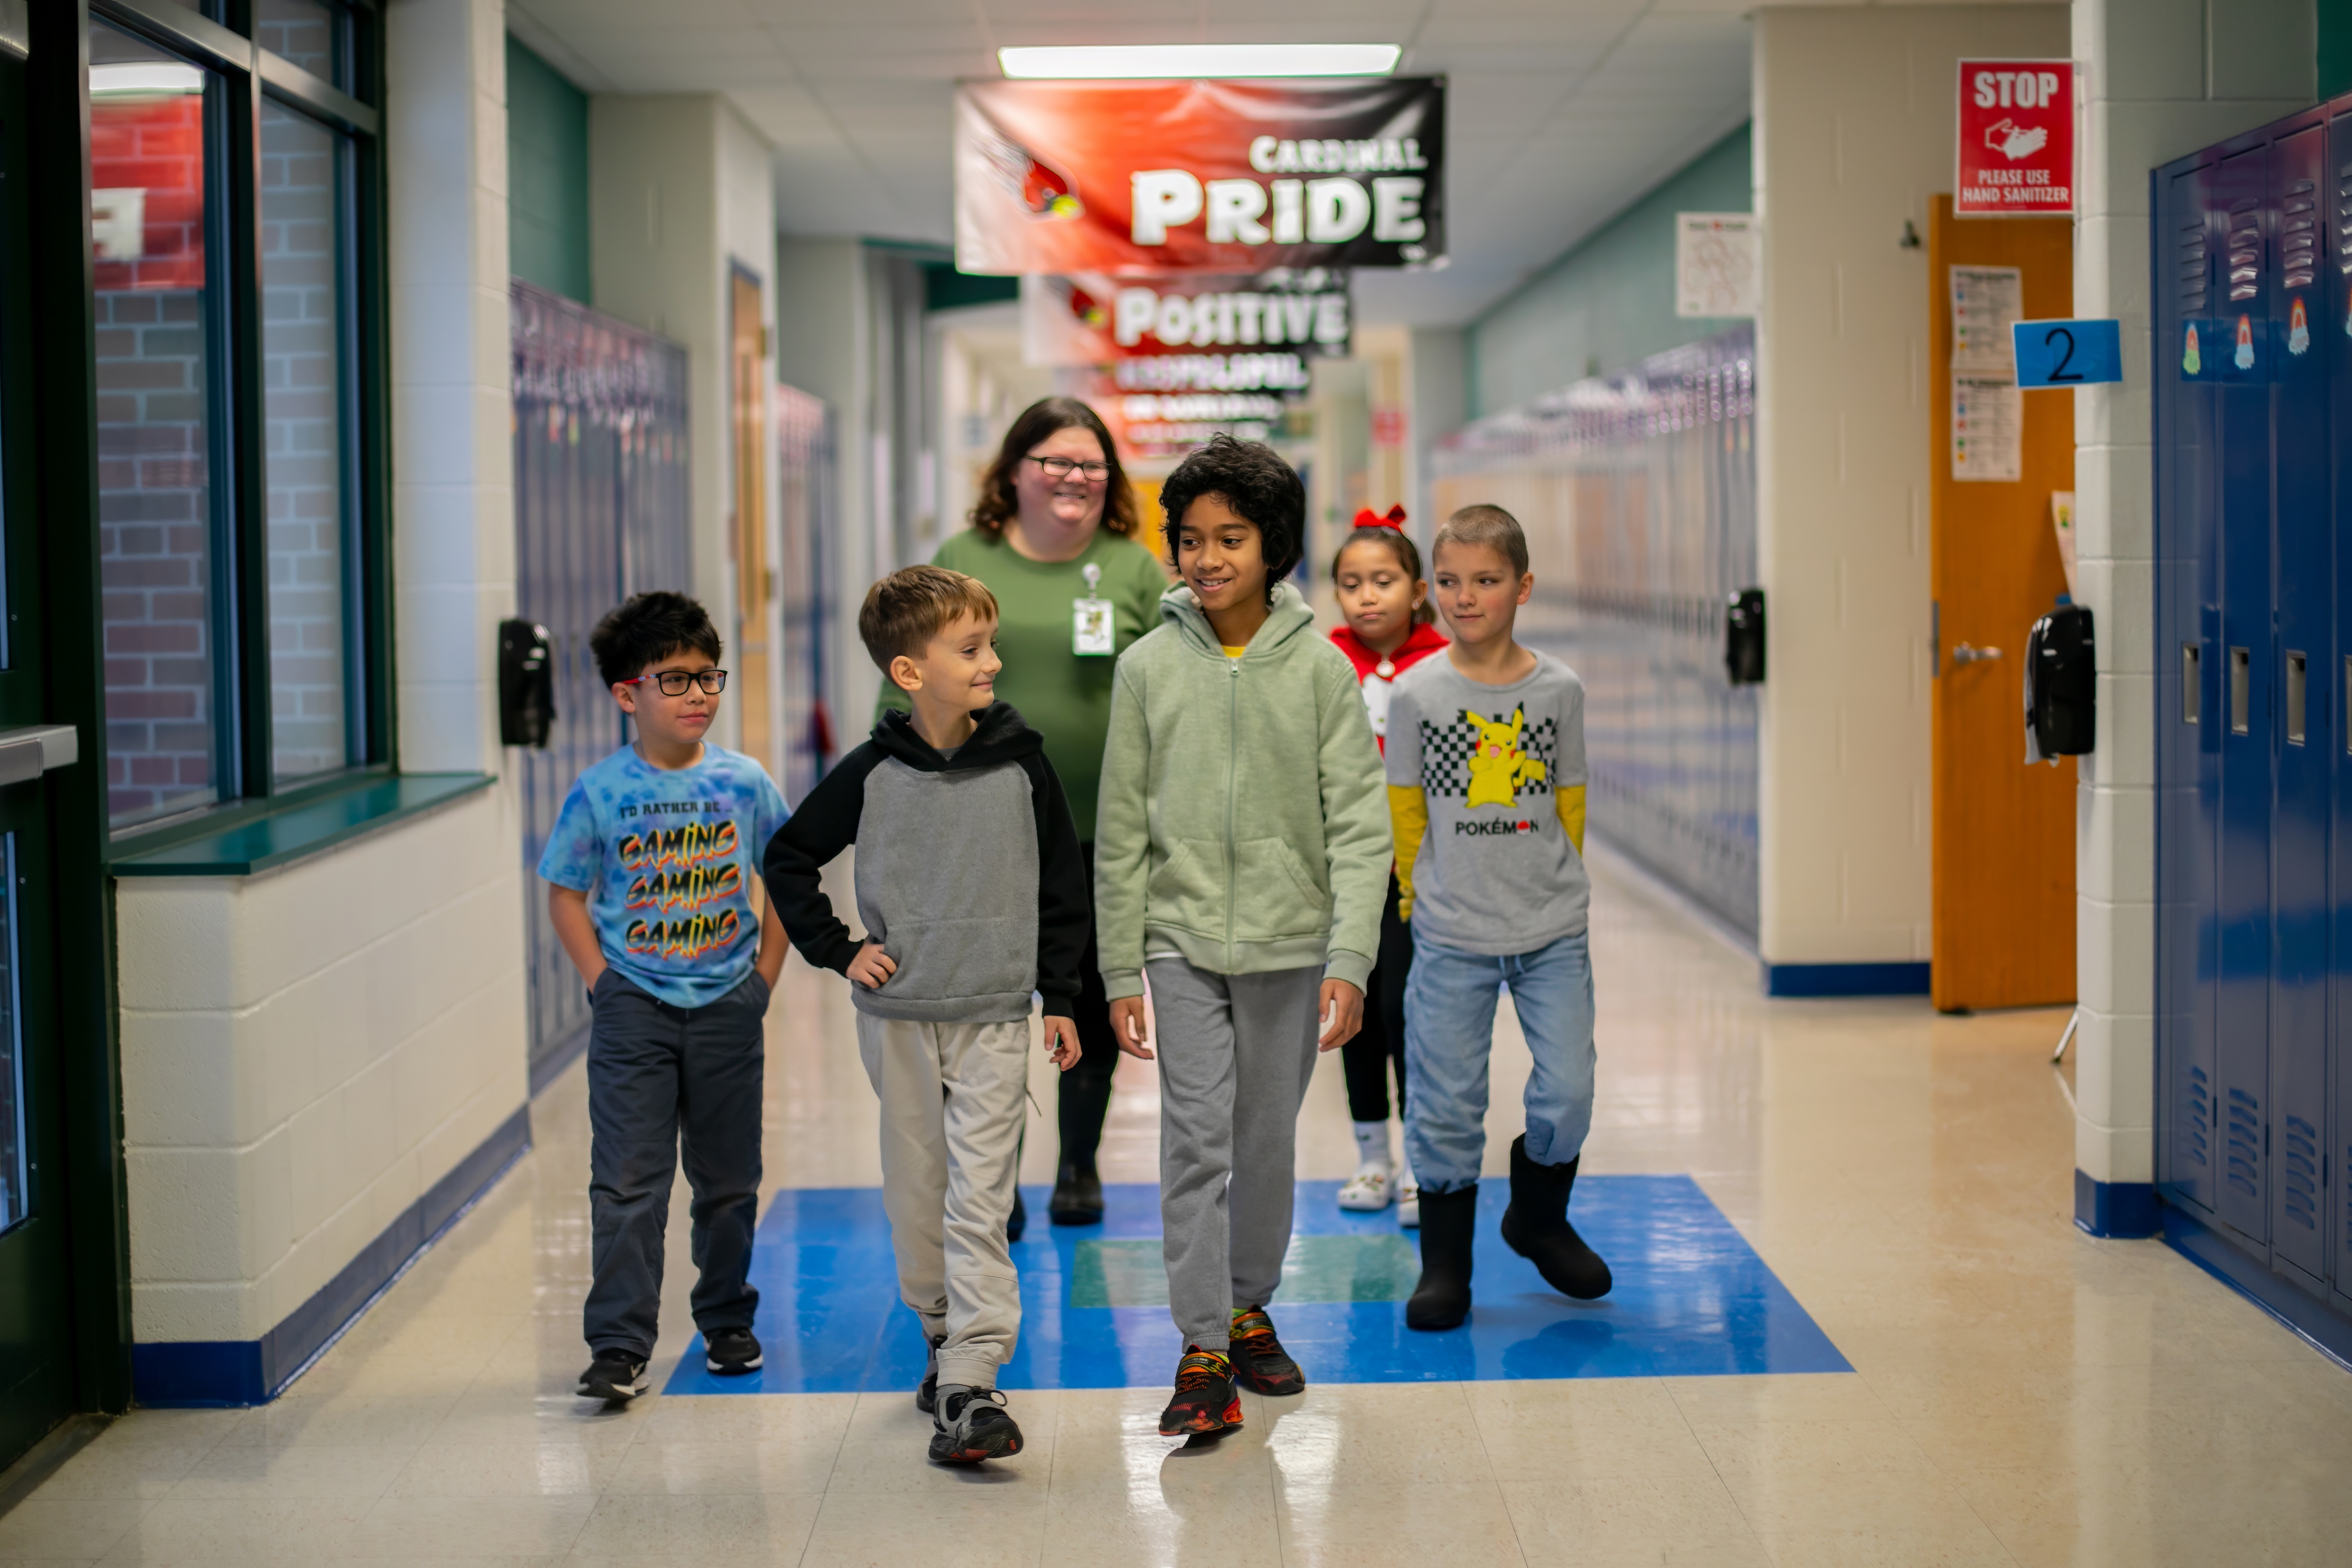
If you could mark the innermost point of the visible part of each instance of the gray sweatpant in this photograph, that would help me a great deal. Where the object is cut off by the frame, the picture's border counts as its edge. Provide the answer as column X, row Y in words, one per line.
column 951, row 1100
column 1236, row 1052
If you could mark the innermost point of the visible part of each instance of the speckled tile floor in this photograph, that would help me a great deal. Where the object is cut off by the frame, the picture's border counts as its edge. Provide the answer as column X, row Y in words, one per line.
column 2021, row 1393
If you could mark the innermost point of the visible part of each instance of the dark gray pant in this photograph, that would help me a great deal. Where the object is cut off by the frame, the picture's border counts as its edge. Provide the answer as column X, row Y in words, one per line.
column 1236, row 1054
column 653, row 1071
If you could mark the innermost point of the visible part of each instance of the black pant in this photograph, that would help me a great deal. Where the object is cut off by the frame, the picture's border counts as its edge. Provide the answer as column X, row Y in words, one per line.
column 1086, row 1088
column 1380, row 1041
column 653, row 1070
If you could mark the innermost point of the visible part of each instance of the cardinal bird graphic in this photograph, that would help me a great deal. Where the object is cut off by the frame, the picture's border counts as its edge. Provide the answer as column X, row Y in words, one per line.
column 1047, row 191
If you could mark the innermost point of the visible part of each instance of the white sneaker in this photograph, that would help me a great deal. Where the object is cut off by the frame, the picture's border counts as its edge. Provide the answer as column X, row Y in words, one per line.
column 1366, row 1191
column 1408, row 1203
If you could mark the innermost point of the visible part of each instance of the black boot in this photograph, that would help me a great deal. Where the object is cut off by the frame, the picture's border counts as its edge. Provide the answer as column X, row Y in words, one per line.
column 1448, row 1221
column 1018, row 1220
column 1078, row 1197
column 1535, row 1227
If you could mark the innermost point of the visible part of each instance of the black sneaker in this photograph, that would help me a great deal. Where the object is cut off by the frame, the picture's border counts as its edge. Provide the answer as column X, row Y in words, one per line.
column 1205, row 1400
column 615, row 1375
column 927, row 1392
column 1260, row 1364
column 731, row 1352
column 972, row 1425
column 1077, row 1197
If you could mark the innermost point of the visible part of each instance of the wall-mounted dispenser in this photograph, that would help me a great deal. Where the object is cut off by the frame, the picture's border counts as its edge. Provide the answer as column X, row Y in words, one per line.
column 1743, row 638
column 2061, row 685
column 526, row 683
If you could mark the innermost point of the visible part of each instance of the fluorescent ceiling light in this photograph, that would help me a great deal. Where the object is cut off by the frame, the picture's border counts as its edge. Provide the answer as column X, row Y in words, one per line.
column 1153, row 62
column 145, row 79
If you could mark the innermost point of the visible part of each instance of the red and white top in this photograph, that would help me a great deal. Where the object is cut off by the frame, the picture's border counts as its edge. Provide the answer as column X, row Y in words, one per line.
column 1379, row 675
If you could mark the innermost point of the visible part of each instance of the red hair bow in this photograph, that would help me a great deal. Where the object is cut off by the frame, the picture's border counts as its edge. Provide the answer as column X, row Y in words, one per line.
column 1369, row 518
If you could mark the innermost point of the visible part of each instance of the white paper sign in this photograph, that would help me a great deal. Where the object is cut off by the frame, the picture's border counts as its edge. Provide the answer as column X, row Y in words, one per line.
column 1987, row 429
column 1987, row 301
column 1718, row 265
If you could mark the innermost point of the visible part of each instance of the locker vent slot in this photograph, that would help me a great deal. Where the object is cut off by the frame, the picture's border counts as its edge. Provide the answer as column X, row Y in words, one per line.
column 2196, row 1115
column 2245, row 250
column 2241, row 673
column 2192, row 690
column 2193, row 258
column 2343, row 218
column 2244, row 1145
column 2302, row 1173
column 2296, row 664
column 2299, row 235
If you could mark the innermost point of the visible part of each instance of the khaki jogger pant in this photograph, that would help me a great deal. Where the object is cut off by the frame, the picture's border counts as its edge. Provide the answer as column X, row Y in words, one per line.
column 952, row 1099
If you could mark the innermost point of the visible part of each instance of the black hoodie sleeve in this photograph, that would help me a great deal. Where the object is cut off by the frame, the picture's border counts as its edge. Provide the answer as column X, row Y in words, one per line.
column 1065, row 902
column 825, row 824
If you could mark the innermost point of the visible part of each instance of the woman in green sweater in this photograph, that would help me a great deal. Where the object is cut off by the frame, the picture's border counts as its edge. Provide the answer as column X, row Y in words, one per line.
column 1052, row 535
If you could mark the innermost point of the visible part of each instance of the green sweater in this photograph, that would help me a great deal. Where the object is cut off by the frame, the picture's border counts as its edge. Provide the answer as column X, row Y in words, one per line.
column 1242, row 822
column 1064, row 697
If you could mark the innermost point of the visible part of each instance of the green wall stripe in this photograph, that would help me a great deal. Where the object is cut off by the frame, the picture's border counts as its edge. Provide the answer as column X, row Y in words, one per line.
column 547, row 176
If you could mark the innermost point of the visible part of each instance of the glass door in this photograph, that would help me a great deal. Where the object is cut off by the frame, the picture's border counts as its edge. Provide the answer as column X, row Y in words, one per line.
column 37, row 1347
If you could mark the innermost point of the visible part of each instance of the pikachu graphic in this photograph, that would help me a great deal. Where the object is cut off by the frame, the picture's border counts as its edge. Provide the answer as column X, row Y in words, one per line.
column 1497, row 764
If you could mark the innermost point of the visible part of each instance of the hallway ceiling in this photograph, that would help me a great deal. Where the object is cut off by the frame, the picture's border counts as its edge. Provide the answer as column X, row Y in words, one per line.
column 1562, row 113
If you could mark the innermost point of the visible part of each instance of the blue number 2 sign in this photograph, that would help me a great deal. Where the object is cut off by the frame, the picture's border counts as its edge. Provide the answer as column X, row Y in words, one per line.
column 2068, row 353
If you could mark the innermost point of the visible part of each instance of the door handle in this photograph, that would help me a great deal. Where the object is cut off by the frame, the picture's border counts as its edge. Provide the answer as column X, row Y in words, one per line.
column 27, row 754
column 1964, row 654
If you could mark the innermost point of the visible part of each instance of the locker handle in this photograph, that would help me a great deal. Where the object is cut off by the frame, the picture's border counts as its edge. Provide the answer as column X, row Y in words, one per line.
column 2192, row 689
column 2297, row 663
column 2241, row 661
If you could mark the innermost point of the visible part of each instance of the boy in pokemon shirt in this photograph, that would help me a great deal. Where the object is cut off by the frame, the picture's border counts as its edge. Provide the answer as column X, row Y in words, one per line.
column 1486, row 778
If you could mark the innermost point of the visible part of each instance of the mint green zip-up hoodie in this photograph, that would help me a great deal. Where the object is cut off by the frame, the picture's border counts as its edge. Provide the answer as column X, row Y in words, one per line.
column 1242, row 822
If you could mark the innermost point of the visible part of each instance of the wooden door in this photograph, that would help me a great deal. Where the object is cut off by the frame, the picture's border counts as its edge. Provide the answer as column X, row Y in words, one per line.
column 755, row 583
column 2003, row 832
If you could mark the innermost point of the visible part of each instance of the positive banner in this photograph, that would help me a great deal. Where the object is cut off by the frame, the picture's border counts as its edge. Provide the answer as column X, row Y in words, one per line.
column 1096, row 319
column 2016, row 139
column 1234, row 177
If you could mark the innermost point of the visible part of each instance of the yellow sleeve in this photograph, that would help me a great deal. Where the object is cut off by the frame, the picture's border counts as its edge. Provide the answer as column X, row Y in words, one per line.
column 1570, row 802
column 1409, row 821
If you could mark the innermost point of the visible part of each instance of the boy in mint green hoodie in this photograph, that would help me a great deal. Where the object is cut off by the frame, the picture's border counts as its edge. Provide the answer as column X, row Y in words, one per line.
column 1242, row 853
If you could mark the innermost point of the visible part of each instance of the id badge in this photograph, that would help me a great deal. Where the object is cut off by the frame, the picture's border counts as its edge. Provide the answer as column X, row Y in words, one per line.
column 1092, row 633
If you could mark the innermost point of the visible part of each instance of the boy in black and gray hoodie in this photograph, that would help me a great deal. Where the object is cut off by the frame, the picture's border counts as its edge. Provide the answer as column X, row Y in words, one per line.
column 973, row 895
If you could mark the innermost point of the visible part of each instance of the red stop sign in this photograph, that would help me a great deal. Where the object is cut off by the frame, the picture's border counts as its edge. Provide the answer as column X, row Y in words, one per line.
column 2016, row 139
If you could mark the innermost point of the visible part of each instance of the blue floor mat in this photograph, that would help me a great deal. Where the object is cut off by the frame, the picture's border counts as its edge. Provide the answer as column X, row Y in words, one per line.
column 1692, row 1298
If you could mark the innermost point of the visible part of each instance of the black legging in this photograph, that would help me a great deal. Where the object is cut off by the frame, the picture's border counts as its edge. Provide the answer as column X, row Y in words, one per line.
column 1365, row 1058
column 1086, row 1088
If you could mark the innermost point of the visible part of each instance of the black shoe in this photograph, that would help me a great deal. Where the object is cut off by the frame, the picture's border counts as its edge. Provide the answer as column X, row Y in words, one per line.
column 1535, row 1227
column 927, row 1392
column 1018, row 1220
column 972, row 1425
column 731, row 1352
column 615, row 1375
column 1077, row 1197
column 1260, row 1364
column 1448, row 1222
column 1205, row 1400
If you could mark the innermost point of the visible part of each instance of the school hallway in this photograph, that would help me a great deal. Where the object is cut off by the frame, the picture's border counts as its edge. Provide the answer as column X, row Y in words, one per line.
column 2018, row 1392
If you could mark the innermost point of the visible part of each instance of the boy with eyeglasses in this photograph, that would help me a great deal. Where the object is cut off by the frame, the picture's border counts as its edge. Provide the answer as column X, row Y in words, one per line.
column 649, row 872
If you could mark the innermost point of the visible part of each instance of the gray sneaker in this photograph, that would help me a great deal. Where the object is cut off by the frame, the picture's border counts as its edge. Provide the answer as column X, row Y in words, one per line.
column 972, row 1425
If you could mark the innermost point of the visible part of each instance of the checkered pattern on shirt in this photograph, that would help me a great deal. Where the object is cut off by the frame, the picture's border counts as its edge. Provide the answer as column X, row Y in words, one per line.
column 1445, row 748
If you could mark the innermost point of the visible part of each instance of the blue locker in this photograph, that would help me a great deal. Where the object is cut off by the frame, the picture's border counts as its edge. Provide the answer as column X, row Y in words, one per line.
column 2242, row 999
column 2302, row 723
column 2188, row 728
column 2331, row 319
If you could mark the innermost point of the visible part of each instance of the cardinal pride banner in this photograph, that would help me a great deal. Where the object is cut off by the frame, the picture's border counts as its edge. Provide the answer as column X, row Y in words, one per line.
column 1135, row 178
column 1096, row 320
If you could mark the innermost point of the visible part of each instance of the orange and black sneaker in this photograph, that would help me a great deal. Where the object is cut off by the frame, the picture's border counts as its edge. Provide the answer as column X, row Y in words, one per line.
column 1260, row 1362
column 1205, row 1399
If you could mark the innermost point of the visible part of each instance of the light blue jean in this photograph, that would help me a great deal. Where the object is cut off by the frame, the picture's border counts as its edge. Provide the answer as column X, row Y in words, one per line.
column 1449, row 1030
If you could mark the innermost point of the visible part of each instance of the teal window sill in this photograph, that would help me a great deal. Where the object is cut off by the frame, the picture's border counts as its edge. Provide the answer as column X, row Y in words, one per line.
column 281, row 836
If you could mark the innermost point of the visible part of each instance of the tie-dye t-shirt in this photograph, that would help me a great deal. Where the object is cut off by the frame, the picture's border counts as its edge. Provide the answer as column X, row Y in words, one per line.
column 666, row 858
